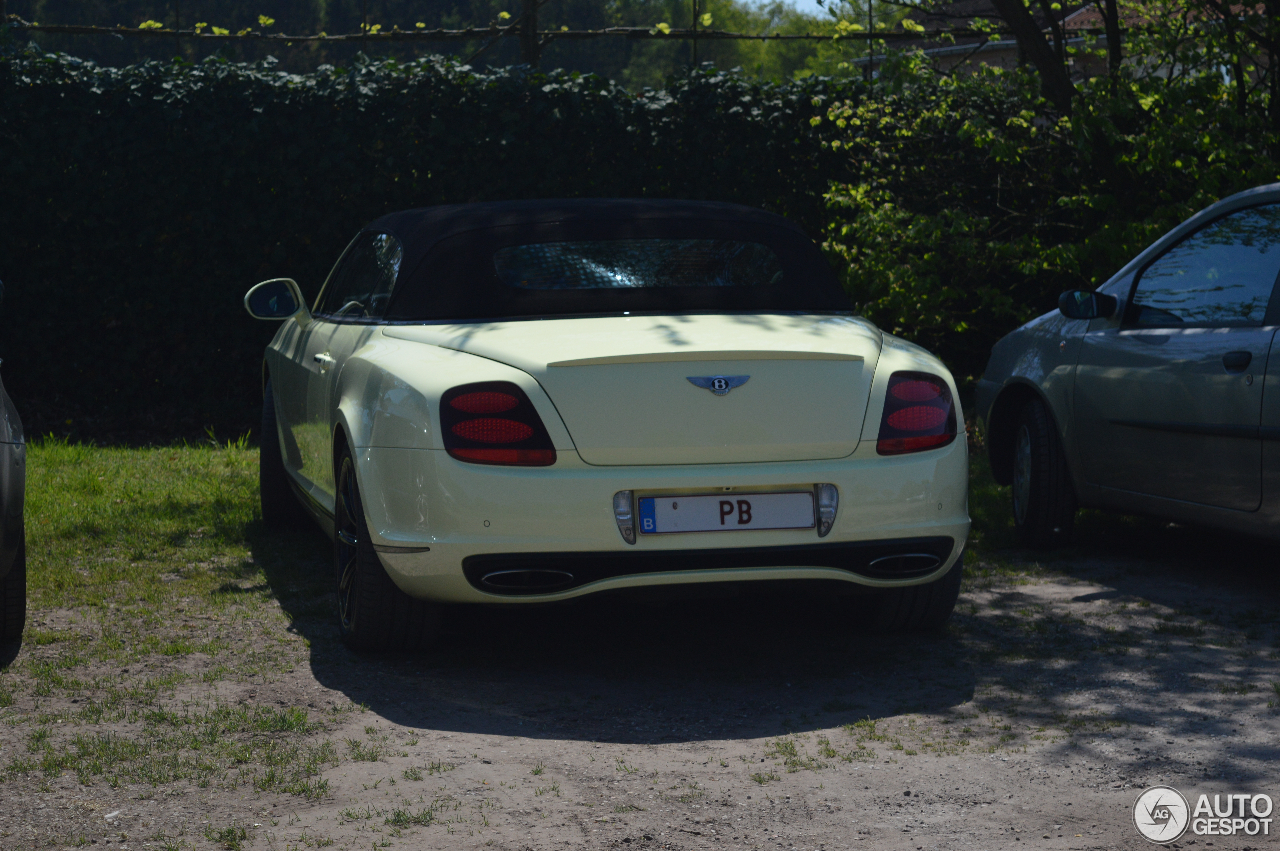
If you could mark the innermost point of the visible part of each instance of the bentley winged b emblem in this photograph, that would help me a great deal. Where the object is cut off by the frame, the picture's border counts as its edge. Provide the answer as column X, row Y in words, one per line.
column 718, row 384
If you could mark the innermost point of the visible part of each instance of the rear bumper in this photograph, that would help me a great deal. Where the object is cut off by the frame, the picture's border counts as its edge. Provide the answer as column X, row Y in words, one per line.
column 441, row 525
column 525, row 574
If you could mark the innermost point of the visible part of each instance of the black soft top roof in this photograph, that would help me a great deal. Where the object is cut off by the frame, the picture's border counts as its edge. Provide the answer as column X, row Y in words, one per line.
column 446, row 271
column 419, row 230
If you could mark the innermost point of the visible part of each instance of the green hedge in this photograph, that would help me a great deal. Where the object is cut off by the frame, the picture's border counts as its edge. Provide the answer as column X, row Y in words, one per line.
column 972, row 206
column 138, row 204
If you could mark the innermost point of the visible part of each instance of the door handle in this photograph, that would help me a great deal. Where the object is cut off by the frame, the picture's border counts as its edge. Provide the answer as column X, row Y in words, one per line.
column 1236, row 361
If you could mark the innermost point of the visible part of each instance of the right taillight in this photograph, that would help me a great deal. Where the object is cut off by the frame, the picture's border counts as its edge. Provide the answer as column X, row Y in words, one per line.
column 918, row 414
column 493, row 422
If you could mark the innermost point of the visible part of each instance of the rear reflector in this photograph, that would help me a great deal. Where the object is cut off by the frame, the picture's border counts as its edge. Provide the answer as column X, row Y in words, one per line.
column 516, row 439
column 918, row 414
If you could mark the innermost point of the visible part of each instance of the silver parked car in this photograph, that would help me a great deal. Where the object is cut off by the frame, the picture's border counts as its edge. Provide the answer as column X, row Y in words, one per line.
column 13, row 549
column 1154, row 394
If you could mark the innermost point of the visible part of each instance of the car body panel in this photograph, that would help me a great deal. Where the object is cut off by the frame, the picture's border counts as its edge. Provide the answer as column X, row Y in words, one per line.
column 621, row 384
column 1144, row 396
column 427, row 511
column 613, row 392
column 1061, row 362
column 431, row 500
column 445, row 510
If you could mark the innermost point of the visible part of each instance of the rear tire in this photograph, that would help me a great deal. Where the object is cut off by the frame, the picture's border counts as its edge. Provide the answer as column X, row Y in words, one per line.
column 1044, row 501
column 13, row 596
column 915, row 608
column 280, row 508
column 373, row 613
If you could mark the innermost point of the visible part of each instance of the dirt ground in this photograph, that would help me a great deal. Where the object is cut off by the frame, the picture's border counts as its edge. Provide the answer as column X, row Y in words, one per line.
column 1059, row 691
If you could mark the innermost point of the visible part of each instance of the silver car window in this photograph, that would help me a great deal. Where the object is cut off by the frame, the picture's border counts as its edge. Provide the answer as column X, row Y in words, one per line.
column 1222, row 274
column 361, row 285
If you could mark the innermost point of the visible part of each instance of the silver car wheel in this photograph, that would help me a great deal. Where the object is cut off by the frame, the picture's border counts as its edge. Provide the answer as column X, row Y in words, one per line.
column 1022, row 475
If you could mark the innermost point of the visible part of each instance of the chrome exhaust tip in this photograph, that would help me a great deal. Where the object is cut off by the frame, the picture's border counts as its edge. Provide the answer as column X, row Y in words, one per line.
column 539, row 581
column 905, row 564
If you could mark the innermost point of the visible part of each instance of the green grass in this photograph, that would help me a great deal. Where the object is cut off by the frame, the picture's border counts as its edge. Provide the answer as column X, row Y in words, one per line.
column 103, row 523
column 152, row 583
column 155, row 569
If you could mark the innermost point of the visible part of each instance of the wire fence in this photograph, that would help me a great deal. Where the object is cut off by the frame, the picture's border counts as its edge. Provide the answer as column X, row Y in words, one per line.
column 472, row 33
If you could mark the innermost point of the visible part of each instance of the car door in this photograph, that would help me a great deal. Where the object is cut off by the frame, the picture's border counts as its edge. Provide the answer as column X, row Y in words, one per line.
column 1166, row 402
column 349, row 308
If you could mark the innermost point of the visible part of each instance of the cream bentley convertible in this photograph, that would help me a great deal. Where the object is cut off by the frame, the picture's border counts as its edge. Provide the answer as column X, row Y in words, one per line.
column 532, row 401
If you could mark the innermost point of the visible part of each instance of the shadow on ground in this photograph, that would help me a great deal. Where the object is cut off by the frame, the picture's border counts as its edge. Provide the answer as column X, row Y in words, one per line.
column 720, row 662
column 784, row 659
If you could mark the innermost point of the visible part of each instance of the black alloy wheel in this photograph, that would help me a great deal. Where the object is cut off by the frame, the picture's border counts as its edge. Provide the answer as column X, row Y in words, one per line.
column 1044, row 501
column 373, row 613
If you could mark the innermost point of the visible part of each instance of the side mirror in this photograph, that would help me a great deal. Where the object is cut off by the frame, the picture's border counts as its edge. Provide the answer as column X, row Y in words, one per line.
column 1082, row 304
column 278, row 298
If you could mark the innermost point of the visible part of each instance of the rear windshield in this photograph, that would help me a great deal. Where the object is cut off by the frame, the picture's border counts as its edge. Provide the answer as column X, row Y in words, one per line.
column 632, row 263
column 609, row 268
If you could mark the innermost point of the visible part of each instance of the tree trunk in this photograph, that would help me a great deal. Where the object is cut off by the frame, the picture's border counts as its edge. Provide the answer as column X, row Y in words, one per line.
column 1055, row 29
column 529, row 48
column 1111, row 25
column 1054, row 81
column 1270, row 9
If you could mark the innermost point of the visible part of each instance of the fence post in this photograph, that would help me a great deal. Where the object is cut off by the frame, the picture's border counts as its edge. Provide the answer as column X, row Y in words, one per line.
column 529, row 34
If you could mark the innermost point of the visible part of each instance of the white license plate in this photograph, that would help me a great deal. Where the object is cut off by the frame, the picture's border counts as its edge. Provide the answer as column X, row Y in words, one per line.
column 660, row 515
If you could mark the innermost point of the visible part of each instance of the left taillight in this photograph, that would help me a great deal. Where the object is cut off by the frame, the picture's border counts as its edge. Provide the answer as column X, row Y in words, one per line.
column 918, row 414
column 493, row 422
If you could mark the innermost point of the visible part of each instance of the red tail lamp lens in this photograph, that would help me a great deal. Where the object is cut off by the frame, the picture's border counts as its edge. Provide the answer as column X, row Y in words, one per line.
column 915, row 391
column 484, row 403
column 509, row 457
column 491, row 430
column 472, row 433
column 917, row 418
column 918, row 414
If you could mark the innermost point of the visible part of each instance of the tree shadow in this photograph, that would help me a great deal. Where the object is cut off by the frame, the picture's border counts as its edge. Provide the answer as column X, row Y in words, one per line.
column 700, row 662
column 752, row 661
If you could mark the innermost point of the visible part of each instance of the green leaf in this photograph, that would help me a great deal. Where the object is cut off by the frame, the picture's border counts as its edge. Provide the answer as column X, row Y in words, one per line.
column 150, row 25
column 264, row 21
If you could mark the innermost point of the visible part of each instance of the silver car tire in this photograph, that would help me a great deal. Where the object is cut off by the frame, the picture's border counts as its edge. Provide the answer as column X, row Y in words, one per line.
column 1044, row 502
column 373, row 613
column 13, row 597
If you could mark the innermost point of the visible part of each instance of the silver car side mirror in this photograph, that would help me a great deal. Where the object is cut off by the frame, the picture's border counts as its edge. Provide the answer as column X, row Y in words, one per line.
column 278, row 298
column 1082, row 304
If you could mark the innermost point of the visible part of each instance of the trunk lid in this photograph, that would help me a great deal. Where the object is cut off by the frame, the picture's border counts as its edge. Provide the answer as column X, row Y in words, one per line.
column 621, row 384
